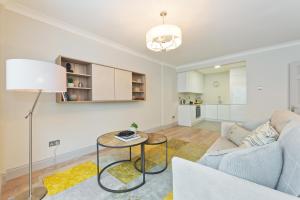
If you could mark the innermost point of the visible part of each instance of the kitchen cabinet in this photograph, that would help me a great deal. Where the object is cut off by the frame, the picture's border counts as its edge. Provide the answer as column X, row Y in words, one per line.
column 123, row 85
column 191, row 82
column 211, row 112
column 223, row 112
column 103, row 83
column 187, row 115
column 238, row 113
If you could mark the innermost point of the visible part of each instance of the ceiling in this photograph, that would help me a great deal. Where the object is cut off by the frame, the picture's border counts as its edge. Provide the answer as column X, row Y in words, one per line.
column 211, row 28
column 222, row 69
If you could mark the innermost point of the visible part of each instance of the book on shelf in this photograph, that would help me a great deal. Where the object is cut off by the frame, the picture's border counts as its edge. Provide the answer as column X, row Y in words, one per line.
column 65, row 96
column 128, row 138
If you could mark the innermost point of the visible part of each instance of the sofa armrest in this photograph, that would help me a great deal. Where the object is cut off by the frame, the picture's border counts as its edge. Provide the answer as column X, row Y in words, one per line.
column 251, row 125
column 225, row 126
column 194, row 181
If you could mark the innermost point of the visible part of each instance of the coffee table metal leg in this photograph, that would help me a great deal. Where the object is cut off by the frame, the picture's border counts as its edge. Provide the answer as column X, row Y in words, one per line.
column 166, row 155
column 97, row 160
column 156, row 172
column 143, row 161
column 99, row 173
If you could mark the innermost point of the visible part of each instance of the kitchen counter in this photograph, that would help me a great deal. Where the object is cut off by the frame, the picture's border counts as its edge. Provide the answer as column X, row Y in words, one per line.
column 187, row 114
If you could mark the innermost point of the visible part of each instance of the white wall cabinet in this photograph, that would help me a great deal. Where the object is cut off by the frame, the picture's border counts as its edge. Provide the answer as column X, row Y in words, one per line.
column 103, row 83
column 191, row 82
column 123, row 85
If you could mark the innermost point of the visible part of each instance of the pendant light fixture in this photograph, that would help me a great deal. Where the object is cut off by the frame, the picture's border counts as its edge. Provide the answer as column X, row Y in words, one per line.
column 164, row 37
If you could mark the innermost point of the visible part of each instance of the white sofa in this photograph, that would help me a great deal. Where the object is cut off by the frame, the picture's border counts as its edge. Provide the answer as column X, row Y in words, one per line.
column 193, row 181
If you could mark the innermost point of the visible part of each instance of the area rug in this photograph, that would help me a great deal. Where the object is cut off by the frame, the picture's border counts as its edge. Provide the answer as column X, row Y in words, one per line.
column 80, row 182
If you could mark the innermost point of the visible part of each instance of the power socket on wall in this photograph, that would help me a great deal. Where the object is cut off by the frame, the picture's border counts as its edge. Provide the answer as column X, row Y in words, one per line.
column 54, row 143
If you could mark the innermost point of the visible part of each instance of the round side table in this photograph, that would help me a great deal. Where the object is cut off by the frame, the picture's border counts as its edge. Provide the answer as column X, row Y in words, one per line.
column 108, row 140
column 155, row 139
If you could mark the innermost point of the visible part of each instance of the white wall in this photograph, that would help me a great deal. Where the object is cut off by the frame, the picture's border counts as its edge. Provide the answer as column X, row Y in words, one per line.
column 76, row 125
column 211, row 93
column 169, row 96
column 267, row 69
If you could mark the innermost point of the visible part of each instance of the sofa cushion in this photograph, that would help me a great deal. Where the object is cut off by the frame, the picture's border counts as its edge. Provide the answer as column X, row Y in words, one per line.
column 261, row 165
column 220, row 144
column 264, row 134
column 213, row 159
column 289, row 181
column 281, row 118
column 237, row 134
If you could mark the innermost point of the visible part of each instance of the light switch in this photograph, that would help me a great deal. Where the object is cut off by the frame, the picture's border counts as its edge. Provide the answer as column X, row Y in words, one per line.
column 259, row 88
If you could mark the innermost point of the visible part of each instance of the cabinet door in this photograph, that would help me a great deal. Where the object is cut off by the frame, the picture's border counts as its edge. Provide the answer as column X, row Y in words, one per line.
column 201, row 83
column 238, row 113
column 211, row 112
column 123, row 85
column 223, row 112
column 182, row 82
column 103, row 86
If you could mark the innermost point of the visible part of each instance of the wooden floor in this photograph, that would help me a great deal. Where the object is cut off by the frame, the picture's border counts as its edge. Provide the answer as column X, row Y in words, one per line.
column 189, row 134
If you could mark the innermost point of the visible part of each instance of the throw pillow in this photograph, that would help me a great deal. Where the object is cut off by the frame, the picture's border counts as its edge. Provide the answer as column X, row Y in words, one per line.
column 262, row 135
column 237, row 134
column 261, row 165
column 213, row 159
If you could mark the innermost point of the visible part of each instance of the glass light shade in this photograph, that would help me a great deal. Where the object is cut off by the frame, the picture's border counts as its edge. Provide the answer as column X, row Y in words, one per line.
column 164, row 37
column 32, row 75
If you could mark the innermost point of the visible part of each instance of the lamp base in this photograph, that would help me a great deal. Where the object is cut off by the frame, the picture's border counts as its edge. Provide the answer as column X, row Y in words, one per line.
column 38, row 193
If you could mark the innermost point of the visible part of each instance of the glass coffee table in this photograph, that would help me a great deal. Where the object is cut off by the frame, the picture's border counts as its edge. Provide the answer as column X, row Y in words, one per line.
column 108, row 140
column 154, row 139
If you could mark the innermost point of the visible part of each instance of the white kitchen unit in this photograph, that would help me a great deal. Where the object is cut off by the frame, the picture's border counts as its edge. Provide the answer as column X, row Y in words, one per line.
column 238, row 113
column 190, row 82
column 103, row 83
column 187, row 115
column 224, row 112
column 211, row 112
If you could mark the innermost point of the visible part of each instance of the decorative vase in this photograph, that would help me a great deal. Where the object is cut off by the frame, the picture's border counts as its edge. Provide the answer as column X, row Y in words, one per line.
column 70, row 84
column 132, row 129
column 73, row 97
column 69, row 67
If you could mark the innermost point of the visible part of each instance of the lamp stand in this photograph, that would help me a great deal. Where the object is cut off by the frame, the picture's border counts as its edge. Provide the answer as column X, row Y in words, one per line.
column 36, row 193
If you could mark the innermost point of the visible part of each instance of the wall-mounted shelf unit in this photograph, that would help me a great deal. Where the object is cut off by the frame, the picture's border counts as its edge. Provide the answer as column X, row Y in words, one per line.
column 138, row 86
column 95, row 83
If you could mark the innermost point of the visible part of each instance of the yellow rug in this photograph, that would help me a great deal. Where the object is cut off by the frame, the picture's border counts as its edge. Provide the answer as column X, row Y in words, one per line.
column 169, row 196
column 125, row 172
column 61, row 181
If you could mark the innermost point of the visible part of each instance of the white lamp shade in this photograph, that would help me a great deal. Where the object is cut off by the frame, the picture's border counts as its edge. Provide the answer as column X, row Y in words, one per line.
column 164, row 37
column 33, row 75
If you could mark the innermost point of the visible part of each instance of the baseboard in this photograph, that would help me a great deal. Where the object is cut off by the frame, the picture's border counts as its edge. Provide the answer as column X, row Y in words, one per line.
column 22, row 170
column 162, row 127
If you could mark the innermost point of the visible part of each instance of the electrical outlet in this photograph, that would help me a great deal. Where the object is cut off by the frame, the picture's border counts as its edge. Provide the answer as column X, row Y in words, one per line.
column 54, row 143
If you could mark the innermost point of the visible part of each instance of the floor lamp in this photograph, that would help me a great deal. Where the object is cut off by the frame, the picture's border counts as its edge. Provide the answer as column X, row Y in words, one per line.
column 34, row 76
